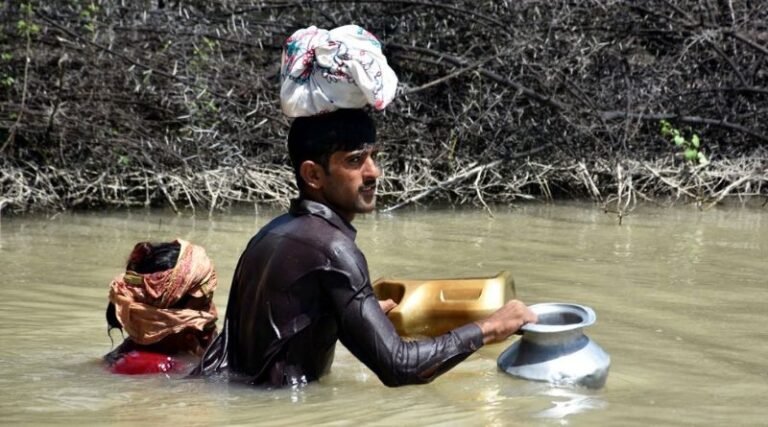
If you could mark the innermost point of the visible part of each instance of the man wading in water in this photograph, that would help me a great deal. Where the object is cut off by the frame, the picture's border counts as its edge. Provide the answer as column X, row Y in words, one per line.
column 302, row 283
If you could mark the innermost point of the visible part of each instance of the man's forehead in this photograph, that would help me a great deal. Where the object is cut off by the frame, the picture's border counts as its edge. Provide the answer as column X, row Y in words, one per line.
column 366, row 147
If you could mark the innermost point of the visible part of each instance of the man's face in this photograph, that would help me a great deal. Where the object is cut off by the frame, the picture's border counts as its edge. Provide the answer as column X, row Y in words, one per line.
column 350, row 184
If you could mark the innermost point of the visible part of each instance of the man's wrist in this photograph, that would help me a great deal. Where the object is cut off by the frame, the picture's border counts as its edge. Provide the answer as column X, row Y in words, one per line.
column 490, row 334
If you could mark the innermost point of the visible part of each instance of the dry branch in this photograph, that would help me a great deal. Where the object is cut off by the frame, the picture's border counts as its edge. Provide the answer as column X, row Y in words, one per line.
column 133, row 104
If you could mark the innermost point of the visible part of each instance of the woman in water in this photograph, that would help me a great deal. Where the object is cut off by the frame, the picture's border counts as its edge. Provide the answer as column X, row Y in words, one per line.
column 164, row 302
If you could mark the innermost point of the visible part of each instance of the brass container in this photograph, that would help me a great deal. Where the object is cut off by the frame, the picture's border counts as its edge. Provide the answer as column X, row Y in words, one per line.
column 433, row 307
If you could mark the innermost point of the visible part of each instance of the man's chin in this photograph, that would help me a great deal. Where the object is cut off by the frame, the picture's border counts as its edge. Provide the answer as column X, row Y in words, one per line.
column 366, row 205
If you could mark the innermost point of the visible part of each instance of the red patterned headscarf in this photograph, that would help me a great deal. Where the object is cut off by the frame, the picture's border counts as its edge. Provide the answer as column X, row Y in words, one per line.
column 143, row 301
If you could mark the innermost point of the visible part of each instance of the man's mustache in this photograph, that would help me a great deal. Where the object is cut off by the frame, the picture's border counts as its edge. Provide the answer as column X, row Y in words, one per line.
column 368, row 185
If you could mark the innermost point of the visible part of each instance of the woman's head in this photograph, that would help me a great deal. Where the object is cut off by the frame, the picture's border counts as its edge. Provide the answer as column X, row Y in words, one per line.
column 146, row 258
column 166, row 290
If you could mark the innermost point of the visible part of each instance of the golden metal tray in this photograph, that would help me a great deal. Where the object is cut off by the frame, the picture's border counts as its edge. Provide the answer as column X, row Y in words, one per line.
column 433, row 307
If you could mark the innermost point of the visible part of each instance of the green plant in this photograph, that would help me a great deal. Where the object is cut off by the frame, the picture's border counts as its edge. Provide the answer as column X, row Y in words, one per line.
column 691, row 147
column 26, row 29
column 89, row 16
column 25, row 26
column 202, row 52
column 123, row 160
column 211, row 106
column 6, row 79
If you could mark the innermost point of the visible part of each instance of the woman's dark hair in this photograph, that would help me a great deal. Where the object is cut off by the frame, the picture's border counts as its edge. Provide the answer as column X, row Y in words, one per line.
column 147, row 258
column 315, row 138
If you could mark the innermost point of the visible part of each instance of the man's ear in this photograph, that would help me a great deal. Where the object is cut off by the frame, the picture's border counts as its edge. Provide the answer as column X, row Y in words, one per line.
column 313, row 174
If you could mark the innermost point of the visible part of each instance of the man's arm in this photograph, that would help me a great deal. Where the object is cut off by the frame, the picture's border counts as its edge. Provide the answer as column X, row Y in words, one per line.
column 367, row 332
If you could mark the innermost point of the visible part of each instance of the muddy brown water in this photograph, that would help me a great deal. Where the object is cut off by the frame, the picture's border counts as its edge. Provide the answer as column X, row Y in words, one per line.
column 680, row 297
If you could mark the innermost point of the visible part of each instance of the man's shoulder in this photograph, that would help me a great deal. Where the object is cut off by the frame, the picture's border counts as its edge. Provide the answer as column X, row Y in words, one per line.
column 318, row 233
column 308, row 230
column 308, row 242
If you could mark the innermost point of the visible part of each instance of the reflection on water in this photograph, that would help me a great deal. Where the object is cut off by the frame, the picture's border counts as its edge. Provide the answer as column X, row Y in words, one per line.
column 568, row 402
column 679, row 296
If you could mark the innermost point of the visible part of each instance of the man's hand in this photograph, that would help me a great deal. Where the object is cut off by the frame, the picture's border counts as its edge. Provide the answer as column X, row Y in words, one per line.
column 387, row 305
column 506, row 321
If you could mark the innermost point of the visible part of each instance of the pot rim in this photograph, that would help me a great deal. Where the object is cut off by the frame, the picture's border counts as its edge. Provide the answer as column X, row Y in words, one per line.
column 587, row 315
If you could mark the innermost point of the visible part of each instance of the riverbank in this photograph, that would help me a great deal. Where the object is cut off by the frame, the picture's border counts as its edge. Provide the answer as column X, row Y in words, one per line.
column 175, row 103
column 617, row 187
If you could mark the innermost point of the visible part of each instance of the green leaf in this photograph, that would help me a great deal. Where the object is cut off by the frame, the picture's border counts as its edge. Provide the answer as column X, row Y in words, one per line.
column 679, row 140
column 702, row 158
column 665, row 128
column 695, row 141
column 691, row 154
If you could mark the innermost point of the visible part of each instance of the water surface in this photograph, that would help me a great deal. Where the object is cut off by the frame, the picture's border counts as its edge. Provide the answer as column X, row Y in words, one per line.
column 680, row 297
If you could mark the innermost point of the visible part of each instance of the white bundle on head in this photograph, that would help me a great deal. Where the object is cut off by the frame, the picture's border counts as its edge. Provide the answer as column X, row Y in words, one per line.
column 323, row 71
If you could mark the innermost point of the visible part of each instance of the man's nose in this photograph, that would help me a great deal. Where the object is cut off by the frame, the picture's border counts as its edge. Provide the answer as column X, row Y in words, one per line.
column 371, row 169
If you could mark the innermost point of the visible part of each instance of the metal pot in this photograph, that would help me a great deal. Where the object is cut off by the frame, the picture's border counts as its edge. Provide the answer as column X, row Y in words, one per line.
column 556, row 350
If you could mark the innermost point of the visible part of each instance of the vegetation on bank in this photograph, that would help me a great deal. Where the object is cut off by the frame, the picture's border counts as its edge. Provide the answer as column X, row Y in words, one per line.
column 114, row 103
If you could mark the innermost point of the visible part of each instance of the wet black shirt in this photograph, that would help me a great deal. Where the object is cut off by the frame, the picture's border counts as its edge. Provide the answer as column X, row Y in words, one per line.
column 301, row 284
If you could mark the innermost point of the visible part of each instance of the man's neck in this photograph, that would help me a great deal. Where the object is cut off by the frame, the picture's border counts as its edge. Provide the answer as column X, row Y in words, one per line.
column 317, row 197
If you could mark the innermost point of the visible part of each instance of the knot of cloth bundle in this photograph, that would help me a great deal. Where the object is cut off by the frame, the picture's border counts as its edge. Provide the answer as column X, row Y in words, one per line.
column 322, row 71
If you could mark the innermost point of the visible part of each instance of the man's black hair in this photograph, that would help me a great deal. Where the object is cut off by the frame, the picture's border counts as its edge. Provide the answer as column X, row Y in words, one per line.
column 315, row 138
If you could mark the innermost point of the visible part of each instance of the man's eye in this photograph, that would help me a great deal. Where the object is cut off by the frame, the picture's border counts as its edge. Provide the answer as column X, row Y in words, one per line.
column 355, row 159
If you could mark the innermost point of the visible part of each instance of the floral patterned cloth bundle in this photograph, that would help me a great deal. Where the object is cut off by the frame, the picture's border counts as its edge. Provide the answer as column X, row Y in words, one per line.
column 323, row 71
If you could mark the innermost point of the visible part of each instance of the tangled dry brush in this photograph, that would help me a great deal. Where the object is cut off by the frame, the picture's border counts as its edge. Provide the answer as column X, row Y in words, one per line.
column 114, row 102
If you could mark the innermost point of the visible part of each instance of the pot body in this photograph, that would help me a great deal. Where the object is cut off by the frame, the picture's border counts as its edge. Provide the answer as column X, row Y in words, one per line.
column 556, row 350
